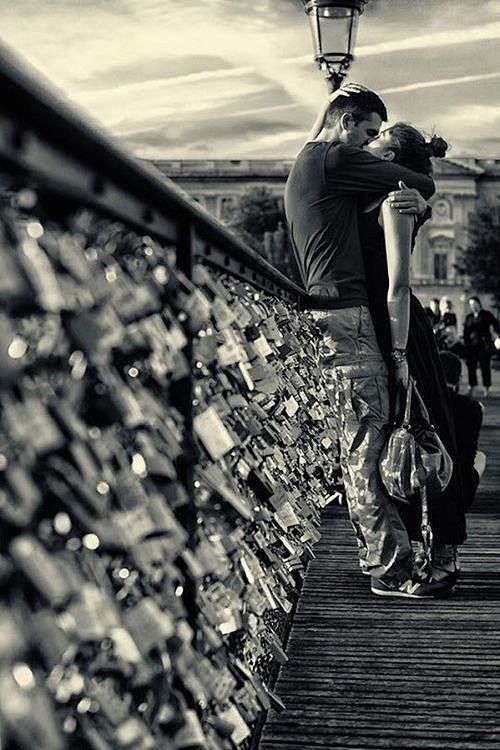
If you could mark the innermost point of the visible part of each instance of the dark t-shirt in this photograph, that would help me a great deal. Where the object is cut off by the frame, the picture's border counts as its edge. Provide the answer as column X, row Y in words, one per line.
column 321, row 203
column 449, row 319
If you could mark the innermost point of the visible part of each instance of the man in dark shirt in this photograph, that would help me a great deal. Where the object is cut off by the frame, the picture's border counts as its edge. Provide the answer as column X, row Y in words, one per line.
column 331, row 179
column 478, row 342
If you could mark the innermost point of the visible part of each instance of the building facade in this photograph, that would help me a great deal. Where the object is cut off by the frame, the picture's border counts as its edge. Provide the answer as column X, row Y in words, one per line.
column 217, row 185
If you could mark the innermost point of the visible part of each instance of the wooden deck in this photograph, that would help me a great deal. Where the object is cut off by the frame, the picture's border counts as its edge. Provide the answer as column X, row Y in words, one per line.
column 369, row 673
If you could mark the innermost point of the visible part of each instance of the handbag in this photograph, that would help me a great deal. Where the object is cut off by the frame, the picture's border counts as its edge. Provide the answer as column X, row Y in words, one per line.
column 415, row 462
column 414, row 456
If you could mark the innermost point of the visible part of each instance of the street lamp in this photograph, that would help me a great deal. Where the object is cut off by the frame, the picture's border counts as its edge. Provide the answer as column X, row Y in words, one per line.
column 333, row 26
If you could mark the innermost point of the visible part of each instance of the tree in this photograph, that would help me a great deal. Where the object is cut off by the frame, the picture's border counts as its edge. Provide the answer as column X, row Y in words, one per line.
column 259, row 220
column 481, row 258
column 256, row 213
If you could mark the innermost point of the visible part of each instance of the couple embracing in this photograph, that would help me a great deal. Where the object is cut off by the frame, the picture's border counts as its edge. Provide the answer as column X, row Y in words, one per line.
column 355, row 199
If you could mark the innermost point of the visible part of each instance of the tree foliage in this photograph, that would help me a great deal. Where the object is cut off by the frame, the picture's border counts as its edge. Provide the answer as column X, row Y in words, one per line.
column 481, row 257
column 259, row 220
column 257, row 212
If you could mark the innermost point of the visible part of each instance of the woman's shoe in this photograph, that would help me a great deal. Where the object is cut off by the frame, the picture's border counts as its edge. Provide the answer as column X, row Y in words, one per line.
column 445, row 565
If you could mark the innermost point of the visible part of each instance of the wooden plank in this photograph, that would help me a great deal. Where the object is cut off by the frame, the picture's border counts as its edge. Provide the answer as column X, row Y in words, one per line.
column 367, row 674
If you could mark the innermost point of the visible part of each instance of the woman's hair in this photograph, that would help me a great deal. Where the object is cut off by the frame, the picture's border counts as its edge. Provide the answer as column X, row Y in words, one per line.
column 413, row 151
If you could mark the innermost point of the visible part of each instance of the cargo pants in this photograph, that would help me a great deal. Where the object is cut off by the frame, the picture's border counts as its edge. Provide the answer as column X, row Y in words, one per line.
column 357, row 383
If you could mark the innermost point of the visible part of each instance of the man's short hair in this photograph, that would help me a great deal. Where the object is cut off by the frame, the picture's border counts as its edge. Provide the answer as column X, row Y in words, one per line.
column 475, row 299
column 360, row 105
column 452, row 367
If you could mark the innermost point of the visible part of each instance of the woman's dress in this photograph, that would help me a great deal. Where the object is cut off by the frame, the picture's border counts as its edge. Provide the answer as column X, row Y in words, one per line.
column 446, row 510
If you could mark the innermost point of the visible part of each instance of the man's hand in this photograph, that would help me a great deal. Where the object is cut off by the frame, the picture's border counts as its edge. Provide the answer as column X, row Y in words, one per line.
column 407, row 200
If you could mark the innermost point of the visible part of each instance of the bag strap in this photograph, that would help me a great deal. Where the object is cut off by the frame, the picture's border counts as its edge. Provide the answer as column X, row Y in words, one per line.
column 406, row 418
column 420, row 400
column 426, row 530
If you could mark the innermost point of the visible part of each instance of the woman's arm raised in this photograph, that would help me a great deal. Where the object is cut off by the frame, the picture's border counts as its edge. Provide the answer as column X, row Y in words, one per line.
column 398, row 229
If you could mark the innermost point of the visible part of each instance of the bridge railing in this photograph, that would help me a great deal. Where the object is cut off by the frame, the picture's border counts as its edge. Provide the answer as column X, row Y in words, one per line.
column 166, row 447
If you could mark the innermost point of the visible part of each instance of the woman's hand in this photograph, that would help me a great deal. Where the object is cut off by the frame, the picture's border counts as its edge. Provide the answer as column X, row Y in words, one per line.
column 480, row 463
column 346, row 90
column 407, row 200
column 401, row 375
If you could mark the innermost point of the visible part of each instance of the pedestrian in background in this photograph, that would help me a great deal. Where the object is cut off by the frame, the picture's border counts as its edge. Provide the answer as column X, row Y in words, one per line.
column 446, row 331
column 478, row 341
column 448, row 317
column 434, row 313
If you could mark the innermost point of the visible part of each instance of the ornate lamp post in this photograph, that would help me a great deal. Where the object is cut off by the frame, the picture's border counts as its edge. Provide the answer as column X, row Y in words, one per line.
column 333, row 26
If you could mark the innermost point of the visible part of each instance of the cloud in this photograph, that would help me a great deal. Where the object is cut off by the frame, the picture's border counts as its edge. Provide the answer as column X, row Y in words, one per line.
column 148, row 69
column 439, row 83
column 470, row 116
column 119, row 7
column 469, row 128
column 264, row 110
column 136, row 88
column 485, row 147
column 242, row 136
column 170, row 66
column 217, row 131
column 161, row 101
column 441, row 39
column 260, row 12
column 263, row 103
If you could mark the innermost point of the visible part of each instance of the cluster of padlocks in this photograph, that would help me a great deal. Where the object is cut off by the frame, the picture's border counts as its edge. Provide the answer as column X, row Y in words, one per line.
column 166, row 448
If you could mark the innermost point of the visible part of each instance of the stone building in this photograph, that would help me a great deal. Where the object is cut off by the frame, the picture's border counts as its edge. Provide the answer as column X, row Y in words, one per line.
column 217, row 183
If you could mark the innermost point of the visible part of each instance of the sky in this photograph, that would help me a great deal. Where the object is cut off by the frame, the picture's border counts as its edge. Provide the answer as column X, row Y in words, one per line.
column 207, row 79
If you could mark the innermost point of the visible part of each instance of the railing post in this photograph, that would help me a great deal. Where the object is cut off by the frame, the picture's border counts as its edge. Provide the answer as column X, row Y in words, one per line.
column 184, row 402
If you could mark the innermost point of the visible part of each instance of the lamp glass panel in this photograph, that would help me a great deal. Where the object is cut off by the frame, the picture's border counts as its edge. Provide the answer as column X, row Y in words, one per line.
column 335, row 12
column 335, row 31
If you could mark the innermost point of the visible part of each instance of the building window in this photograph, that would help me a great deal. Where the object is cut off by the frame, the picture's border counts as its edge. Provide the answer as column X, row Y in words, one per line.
column 211, row 203
column 441, row 210
column 226, row 209
column 440, row 266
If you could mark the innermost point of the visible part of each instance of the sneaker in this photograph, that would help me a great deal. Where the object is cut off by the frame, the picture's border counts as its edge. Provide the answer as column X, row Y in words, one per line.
column 411, row 589
column 449, row 580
